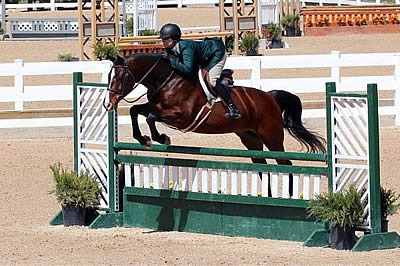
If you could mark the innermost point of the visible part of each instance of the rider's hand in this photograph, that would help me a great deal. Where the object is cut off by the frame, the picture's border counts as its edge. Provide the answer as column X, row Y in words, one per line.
column 165, row 55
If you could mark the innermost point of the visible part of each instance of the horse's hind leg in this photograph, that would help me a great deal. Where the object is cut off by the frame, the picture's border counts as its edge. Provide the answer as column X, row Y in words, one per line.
column 252, row 142
column 155, row 135
column 275, row 143
column 142, row 109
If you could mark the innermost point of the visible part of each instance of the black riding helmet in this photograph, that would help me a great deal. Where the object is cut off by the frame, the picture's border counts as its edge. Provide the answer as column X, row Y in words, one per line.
column 170, row 31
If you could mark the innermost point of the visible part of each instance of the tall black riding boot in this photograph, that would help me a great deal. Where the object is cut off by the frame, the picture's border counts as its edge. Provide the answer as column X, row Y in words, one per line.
column 225, row 94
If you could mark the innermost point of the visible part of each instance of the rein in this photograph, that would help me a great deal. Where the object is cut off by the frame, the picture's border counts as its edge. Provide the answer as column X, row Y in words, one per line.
column 133, row 76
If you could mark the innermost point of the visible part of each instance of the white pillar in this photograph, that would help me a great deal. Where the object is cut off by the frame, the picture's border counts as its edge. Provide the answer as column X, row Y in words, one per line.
column 256, row 74
column 335, row 69
column 53, row 5
column 397, row 89
column 19, row 85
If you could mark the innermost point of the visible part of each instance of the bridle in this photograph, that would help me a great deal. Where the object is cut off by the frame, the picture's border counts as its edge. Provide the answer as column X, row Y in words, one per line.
column 120, row 93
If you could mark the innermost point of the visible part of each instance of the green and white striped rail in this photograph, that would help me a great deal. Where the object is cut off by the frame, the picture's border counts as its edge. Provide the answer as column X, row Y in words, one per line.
column 189, row 189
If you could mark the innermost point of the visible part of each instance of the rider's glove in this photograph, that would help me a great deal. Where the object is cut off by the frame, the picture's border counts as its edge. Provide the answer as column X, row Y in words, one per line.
column 165, row 55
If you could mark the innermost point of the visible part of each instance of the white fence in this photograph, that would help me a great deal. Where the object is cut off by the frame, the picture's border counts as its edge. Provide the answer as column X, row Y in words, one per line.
column 19, row 93
column 334, row 61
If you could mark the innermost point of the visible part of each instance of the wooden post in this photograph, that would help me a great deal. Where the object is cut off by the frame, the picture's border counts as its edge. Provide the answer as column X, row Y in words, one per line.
column 98, row 27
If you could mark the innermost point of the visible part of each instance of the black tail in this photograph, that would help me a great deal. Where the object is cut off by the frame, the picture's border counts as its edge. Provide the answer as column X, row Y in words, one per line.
column 291, row 110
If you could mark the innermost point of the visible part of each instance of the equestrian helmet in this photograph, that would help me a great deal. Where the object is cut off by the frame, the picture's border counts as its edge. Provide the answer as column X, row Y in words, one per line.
column 170, row 31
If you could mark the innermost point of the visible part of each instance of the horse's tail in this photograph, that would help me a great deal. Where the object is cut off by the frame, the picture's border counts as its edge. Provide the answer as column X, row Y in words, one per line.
column 291, row 109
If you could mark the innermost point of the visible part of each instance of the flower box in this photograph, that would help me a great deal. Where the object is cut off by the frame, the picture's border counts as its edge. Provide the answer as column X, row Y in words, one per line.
column 320, row 21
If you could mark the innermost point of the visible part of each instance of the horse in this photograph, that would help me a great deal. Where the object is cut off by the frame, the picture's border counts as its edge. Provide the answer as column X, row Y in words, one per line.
column 176, row 99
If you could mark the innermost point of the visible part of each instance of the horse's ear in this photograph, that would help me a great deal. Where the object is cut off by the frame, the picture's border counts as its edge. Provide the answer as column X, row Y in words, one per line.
column 120, row 60
column 112, row 58
column 117, row 60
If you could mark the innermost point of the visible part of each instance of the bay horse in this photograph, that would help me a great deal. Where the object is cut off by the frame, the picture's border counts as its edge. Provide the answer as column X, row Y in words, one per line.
column 175, row 99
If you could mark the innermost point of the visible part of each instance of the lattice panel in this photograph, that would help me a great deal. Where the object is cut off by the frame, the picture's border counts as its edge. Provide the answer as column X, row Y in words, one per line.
column 25, row 26
column 93, row 137
column 50, row 26
column 73, row 26
column 350, row 146
column 147, row 13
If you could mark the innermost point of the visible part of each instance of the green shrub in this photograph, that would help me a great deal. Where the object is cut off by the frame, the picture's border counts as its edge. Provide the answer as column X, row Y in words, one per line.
column 102, row 50
column 388, row 202
column 249, row 42
column 290, row 21
column 229, row 43
column 129, row 26
column 272, row 32
column 79, row 190
column 148, row 32
column 64, row 57
column 344, row 209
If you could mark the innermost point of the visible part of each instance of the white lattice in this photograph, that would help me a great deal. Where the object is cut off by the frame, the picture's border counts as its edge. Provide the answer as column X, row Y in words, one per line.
column 25, row 26
column 93, row 137
column 146, row 13
column 50, row 26
column 350, row 146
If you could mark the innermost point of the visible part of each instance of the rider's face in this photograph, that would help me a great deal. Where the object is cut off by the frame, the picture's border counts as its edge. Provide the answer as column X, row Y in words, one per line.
column 169, row 43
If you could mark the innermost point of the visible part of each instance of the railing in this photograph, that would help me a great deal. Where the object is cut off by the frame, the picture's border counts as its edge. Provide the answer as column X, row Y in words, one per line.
column 30, row 28
column 19, row 93
column 222, row 176
column 254, row 66
column 53, row 5
column 367, row 19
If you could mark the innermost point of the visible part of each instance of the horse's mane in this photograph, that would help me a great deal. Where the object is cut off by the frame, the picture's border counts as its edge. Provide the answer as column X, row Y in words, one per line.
column 150, row 55
column 190, row 77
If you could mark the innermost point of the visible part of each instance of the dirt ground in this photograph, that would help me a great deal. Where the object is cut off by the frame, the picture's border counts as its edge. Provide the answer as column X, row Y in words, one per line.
column 25, row 179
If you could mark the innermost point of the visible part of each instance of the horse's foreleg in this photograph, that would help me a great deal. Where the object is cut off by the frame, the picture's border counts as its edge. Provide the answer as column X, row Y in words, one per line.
column 252, row 142
column 142, row 109
column 155, row 135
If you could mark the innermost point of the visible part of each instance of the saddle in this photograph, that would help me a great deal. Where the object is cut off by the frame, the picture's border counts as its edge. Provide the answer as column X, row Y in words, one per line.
column 226, row 78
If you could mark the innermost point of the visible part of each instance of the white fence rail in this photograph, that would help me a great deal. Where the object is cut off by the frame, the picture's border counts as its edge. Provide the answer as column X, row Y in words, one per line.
column 20, row 93
column 333, row 61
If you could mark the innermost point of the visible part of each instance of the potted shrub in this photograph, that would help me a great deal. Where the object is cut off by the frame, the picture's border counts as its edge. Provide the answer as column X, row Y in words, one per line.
column 77, row 193
column 102, row 50
column 274, row 35
column 389, row 206
column 129, row 26
column 290, row 23
column 342, row 211
column 249, row 43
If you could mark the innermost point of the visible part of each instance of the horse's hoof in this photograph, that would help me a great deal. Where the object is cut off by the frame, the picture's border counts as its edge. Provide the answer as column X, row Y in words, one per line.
column 148, row 142
column 148, row 145
column 165, row 139
column 145, row 141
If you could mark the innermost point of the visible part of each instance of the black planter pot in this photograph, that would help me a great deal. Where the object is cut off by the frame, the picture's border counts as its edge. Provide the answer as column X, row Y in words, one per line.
column 73, row 215
column 251, row 52
column 384, row 226
column 275, row 44
column 342, row 238
column 290, row 31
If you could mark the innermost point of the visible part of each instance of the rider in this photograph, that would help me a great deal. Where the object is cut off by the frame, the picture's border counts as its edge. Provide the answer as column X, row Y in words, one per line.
column 189, row 55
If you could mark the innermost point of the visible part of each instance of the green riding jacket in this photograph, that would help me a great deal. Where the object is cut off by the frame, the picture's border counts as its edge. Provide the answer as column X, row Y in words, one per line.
column 192, row 54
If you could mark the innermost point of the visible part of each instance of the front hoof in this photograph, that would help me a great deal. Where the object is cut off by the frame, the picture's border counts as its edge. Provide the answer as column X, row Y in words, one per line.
column 145, row 141
column 165, row 139
column 148, row 142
